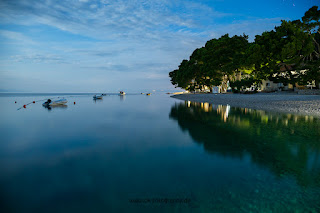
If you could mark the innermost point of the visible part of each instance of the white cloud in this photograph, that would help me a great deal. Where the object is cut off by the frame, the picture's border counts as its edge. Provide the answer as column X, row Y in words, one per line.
column 93, row 6
column 137, row 39
column 37, row 58
column 107, row 19
column 15, row 36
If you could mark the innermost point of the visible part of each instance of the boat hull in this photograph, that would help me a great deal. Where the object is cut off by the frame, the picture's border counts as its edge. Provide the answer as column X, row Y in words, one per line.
column 97, row 97
column 55, row 103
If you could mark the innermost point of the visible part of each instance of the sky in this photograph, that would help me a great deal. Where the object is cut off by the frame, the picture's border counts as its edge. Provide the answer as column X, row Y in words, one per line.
column 112, row 45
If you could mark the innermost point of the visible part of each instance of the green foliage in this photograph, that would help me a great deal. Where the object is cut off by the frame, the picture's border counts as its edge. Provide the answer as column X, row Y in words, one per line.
column 289, row 54
column 311, row 19
column 208, row 65
column 239, row 85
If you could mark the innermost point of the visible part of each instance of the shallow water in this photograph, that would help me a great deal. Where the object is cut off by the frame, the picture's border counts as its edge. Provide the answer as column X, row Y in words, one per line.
column 154, row 153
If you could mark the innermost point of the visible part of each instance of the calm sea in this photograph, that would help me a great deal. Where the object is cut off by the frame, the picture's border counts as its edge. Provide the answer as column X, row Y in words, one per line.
column 141, row 153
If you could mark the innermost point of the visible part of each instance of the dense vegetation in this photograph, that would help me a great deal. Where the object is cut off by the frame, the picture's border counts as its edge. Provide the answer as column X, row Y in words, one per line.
column 288, row 54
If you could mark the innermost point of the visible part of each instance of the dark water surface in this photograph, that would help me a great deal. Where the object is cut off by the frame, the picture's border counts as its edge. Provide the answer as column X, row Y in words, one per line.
column 154, row 153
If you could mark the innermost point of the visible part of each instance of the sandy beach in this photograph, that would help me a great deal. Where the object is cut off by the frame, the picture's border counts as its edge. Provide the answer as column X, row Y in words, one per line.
column 275, row 102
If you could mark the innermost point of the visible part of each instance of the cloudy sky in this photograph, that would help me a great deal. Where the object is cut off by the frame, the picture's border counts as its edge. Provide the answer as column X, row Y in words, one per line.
column 112, row 45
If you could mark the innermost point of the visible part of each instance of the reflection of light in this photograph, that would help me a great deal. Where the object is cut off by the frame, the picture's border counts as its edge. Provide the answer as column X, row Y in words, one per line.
column 226, row 113
column 206, row 107
column 189, row 102
column 264, row 118
column 223, row 111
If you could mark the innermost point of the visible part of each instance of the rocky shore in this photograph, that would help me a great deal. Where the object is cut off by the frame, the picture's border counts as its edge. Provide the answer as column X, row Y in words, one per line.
column 275, row 102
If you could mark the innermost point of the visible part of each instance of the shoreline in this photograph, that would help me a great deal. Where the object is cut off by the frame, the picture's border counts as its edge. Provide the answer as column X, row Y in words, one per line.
column 307, row 105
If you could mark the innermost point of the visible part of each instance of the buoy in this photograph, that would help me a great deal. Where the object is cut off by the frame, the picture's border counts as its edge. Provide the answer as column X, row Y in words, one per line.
column 74, row 102
column 24, row 106
column 33, row 102
column 15, row 102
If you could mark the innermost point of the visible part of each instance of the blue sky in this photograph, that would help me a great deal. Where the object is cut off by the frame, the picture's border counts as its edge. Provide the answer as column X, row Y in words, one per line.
column 107, row 46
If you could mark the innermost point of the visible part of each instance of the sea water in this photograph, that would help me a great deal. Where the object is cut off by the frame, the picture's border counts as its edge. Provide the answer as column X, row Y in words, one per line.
column 138, row 153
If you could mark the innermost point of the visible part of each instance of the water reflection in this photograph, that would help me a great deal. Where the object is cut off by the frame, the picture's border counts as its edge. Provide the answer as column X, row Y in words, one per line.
column 62, row 106
column 285, row 144
column 97, row 100
column 122, row 97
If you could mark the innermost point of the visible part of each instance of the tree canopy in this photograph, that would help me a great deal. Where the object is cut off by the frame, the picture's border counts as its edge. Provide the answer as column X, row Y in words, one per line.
column 288, row 54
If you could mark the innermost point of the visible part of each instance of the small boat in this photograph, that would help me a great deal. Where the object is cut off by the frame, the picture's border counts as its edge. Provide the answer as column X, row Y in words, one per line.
column 97, row 97
column 49, row 102
column 148, row 94
column 122, row 93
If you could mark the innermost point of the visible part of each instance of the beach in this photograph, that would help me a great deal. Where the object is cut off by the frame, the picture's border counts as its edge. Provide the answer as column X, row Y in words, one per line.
column 285, row 102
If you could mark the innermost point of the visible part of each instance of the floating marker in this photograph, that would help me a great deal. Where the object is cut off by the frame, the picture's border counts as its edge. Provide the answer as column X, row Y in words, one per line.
column 74, row 102
column 24, row 106
column 33, row 102
column 15, row 102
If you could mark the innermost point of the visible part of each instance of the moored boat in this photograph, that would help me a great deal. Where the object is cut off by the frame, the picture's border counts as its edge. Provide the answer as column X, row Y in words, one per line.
column 50, row 102
column 122, row 93
column 97, row 96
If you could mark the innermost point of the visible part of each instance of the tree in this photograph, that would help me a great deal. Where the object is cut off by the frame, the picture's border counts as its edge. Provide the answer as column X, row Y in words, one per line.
column 225, row 55
column 279, row 55
column 208, row 65
column 288, row 54
column 311, row 24
column 182, row 76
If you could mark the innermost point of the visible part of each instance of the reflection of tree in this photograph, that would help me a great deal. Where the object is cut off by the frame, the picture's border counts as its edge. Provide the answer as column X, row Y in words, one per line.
column 286, row 144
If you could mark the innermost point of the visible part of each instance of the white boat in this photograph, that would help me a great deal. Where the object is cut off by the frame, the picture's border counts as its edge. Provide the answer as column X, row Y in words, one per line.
column 97, row 97
column 49, row 102
column 122, row 93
